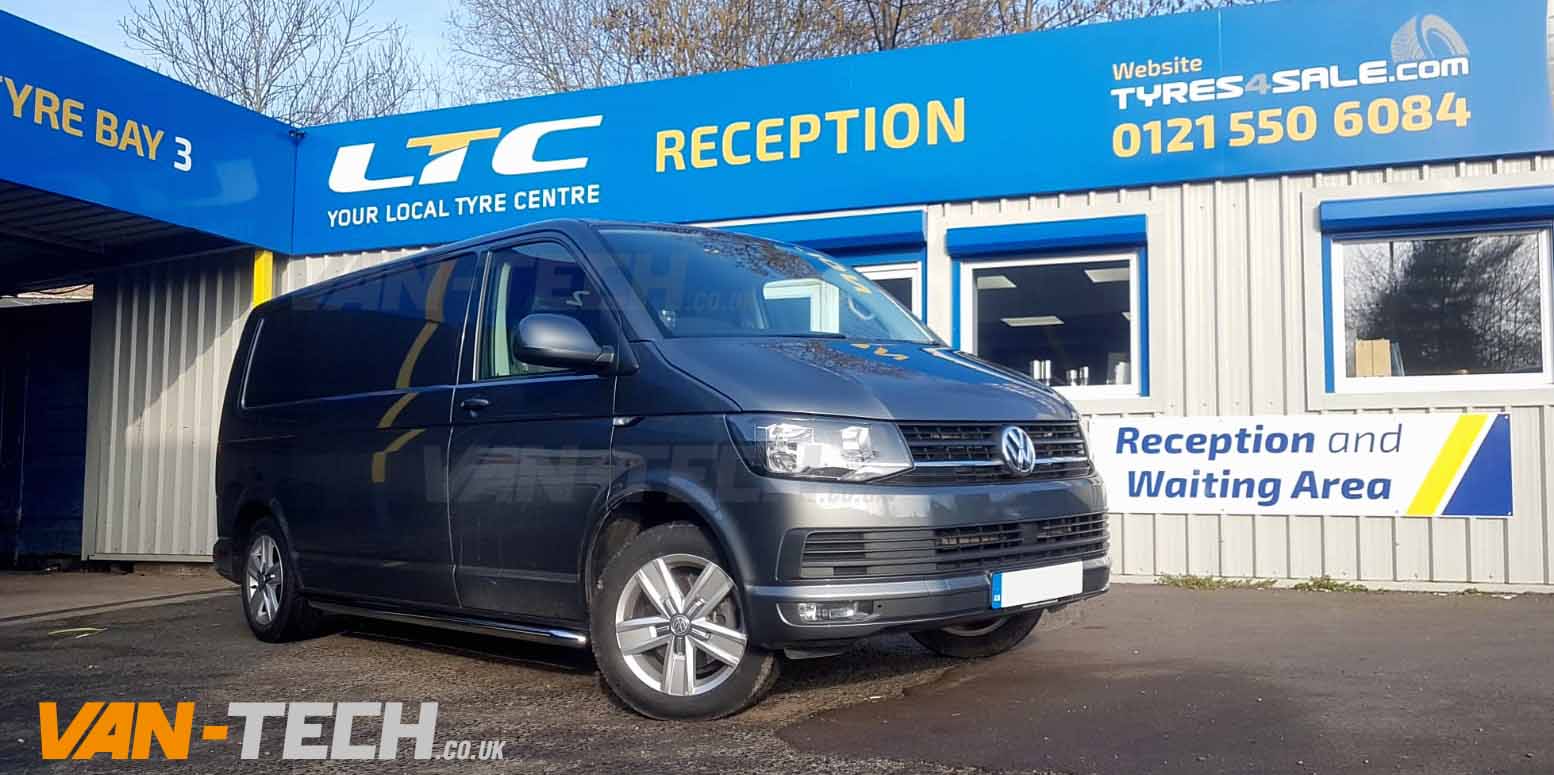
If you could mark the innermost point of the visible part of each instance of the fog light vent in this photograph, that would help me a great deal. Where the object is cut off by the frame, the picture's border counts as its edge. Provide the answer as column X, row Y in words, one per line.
column 834, row 611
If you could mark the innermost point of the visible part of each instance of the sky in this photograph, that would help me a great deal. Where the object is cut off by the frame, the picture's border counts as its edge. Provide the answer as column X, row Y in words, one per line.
column 96, row 22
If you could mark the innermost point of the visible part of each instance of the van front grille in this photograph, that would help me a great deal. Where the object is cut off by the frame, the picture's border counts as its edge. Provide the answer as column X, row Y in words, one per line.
column 851, row 554
column 968, row 453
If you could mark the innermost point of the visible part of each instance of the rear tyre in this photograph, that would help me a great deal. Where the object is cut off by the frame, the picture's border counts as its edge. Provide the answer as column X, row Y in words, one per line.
column 979, row 639
column 669, row 632
column 272, row 595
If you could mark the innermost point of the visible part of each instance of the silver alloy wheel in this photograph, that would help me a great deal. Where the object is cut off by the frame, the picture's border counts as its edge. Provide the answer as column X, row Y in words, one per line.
column 678, row 626
column 974, row 629
column 264, row 577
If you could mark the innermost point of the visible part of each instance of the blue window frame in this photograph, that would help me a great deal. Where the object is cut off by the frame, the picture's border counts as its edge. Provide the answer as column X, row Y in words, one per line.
column 1064, row 301
column 1438, row 292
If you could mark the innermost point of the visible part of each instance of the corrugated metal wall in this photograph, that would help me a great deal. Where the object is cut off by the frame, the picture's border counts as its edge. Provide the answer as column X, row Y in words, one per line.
column 163, row 336
column 1231, row 333
column 1235, row 330
column 302, row 271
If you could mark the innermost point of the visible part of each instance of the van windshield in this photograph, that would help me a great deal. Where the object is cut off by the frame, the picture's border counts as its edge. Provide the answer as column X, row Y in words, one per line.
column 697, row 282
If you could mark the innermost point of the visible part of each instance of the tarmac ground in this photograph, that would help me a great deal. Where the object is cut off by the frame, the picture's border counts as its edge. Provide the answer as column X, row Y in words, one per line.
column 1142, row 680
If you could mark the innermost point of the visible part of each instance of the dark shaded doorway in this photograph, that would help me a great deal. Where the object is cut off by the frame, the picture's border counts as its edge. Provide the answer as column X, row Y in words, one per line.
column 43, row 385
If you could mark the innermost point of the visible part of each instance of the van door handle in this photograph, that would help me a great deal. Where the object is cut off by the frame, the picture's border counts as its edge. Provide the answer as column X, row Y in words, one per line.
column 474, row 405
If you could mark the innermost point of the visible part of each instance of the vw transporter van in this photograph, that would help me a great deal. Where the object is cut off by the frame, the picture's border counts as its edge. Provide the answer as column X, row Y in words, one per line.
column 690, row 451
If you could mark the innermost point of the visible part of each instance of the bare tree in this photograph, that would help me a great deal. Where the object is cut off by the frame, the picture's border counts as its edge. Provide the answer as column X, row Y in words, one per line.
column 519, row 47
column 882, row 25
column 305, row 62
column 671, row 38
column 891, row 24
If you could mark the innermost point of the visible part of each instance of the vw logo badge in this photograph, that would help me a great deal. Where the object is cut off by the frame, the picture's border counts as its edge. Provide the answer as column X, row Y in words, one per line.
column 1019, row 452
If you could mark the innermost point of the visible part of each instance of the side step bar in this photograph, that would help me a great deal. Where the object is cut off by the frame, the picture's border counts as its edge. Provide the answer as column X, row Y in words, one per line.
column 555, row 636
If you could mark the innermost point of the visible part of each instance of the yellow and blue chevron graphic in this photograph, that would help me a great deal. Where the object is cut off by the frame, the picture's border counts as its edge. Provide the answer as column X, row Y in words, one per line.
column 1471, row 475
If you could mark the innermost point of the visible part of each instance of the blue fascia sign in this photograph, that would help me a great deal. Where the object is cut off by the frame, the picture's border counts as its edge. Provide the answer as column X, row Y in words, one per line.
column 83, row 123
column 1284, row 87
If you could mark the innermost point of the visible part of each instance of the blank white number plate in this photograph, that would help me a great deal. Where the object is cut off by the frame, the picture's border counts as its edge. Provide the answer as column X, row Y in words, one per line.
column 1037, row 585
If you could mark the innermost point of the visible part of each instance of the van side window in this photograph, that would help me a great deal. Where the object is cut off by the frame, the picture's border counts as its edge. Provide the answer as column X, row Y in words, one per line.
column 528, row 279
column 392, row 331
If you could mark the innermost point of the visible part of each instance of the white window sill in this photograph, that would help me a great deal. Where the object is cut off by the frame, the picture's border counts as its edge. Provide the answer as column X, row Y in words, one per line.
column 1104, row 402
column 1437, row 398
column 1096, row 392
column 1474, row 383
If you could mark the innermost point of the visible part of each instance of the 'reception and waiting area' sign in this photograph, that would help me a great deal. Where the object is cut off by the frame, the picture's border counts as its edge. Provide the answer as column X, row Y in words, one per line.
column 1453, row 465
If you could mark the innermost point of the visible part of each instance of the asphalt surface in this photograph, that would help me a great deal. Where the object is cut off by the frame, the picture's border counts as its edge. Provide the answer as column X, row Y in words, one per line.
column 1143, row 680
column 31, row 595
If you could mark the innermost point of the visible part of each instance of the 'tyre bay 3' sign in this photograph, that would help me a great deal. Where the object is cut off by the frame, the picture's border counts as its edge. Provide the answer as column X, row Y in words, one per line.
column 64, row 113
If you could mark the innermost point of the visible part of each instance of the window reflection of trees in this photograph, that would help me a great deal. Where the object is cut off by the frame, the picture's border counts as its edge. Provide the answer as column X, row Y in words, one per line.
column 1452, row 305
column 845, row 360
column 661, row 273
column 732, row 294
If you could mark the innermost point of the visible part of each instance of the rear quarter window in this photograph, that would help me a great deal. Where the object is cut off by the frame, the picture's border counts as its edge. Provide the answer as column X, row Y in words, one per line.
column 394, row 331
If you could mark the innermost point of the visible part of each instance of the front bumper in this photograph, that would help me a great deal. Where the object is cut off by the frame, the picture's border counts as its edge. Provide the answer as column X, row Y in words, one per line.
column 899, row 606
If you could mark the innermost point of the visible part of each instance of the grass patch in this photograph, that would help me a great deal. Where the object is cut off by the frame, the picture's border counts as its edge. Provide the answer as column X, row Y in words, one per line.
column 1188, row 581
column 1329, row 584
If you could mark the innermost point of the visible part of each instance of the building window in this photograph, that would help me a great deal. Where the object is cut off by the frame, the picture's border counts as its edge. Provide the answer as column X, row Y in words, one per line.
column 901, row 281
column 1071, row 322
column 1441, row 312
column 805, row 304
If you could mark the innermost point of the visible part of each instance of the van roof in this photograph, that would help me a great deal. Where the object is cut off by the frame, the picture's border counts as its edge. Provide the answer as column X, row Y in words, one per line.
column 564, row 225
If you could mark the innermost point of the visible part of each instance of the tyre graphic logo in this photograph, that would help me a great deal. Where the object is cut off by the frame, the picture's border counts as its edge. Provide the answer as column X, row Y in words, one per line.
column 1019, row 453
column 1427, row 37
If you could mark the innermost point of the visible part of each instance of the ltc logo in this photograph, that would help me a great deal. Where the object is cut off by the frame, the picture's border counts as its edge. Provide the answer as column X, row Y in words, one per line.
column 514, row 155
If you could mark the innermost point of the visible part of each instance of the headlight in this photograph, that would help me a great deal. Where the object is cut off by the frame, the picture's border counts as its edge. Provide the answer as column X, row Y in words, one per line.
column 810, row 448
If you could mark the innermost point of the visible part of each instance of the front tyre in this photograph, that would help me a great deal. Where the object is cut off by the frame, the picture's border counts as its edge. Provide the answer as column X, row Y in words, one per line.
column 668, row 631
column 978, row 639
column 272, row 595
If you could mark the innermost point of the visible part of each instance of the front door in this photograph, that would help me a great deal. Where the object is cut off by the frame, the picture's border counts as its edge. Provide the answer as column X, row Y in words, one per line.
column 531, row 444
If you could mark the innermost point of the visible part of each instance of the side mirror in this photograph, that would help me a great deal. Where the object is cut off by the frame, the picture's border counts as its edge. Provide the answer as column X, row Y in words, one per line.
column 546, row 339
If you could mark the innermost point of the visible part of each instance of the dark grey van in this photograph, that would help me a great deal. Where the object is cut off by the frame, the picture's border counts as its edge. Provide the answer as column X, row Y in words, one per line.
column 686, row 449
